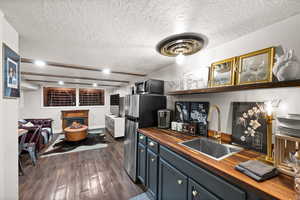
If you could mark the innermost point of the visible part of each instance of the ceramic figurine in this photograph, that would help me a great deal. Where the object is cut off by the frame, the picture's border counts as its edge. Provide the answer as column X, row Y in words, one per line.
column 287, row 66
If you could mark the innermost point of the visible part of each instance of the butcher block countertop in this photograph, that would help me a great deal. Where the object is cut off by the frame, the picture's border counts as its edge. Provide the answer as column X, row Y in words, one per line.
column 280, row 187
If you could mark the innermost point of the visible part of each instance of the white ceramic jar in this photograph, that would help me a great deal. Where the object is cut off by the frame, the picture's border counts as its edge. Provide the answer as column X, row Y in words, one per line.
column 174, row 126
column 179, row 126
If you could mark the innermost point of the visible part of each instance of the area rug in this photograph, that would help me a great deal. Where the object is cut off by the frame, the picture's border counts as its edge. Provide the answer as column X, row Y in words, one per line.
column 93, row 141
column 142, row 196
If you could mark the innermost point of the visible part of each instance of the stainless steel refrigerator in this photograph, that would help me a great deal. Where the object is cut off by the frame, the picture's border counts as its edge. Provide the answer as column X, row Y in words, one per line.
column 140, row 112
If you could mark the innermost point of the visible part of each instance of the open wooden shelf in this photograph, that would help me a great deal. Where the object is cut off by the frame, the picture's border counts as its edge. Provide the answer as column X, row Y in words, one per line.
column 294, row 83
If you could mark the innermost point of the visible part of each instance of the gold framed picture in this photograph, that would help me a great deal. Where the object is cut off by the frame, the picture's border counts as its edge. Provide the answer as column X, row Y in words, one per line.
column 255, row 67
column 222, row 73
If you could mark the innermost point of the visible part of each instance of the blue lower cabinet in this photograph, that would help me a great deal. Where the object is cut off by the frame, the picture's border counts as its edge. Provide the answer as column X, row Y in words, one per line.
column 196, row 192
column 173, row 185
column 142, row 163
column 152, row 173
column 213, row 183
column 142, row 139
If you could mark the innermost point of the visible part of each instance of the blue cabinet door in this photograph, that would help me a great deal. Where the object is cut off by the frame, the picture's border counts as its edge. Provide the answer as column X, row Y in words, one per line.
column 197, row 192
column 152, row 173
column 142, row 139
column 142, row 166
column 172, row 183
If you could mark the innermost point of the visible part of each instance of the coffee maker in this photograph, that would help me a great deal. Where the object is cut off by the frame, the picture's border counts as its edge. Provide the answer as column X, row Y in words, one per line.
column 164, row 118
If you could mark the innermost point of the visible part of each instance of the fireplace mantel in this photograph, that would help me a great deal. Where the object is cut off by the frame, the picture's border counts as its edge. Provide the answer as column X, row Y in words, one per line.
column 66, row 115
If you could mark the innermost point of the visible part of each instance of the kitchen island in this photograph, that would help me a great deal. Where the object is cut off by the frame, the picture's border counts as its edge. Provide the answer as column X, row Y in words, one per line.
column 159, row 151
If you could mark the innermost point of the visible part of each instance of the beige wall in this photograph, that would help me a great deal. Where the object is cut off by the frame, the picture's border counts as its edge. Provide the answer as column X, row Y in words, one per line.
column 8, row 124
column 32, row 108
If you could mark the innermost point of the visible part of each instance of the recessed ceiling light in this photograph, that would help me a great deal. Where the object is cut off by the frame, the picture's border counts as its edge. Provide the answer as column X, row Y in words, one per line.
column 95, row 84
column 40, row 63
column 61, row 82
column 106, row 71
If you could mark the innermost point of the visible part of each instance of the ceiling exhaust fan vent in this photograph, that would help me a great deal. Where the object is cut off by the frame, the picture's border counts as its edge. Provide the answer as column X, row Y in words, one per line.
column 181, row 44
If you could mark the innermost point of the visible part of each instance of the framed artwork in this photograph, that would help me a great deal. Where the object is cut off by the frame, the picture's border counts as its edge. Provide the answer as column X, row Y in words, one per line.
column 11, row 73
column 222, row 73
column 199, row 112
column 249, row 126
column 255, row 67
column 198, row 115
column 182, row 111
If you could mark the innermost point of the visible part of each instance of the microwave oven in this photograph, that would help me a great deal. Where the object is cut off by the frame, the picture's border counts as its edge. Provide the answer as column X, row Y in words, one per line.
column 151, row 86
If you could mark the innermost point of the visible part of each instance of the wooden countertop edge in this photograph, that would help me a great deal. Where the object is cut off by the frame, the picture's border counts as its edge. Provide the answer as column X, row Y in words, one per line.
column 225, row 168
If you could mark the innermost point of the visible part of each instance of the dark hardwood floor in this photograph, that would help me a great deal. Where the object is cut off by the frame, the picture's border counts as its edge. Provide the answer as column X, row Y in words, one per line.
column 94, row 174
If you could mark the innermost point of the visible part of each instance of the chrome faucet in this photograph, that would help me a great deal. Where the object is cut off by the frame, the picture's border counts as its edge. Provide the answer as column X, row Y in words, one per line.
column 217, row 134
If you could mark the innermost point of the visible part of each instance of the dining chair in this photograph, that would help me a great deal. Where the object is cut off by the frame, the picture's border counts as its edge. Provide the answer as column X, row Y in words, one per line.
column 30, row 145
column 21, row 143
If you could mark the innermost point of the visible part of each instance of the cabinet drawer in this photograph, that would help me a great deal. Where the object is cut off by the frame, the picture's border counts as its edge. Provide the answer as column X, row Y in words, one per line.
column 206, row 179
column 197, row 192
column 142, row 139
column 152, row 145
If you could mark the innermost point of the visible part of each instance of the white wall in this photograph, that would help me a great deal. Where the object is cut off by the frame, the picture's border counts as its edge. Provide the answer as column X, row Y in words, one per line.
column 123, row 91
column 32, row 108
column 8, row 123
column 284, row 33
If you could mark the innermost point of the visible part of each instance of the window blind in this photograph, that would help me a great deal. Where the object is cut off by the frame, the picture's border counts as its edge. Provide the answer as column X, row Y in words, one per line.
column 59, row 96
column 91, row 97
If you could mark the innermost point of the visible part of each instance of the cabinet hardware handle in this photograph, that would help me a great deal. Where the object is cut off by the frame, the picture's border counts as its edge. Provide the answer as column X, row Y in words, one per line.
column 141, row 137
column 179, row 182
column 151, row 144
column 195, row 193
column 152, row 159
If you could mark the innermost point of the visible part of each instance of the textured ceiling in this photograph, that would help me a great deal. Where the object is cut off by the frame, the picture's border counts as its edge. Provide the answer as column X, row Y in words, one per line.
column 122, row 34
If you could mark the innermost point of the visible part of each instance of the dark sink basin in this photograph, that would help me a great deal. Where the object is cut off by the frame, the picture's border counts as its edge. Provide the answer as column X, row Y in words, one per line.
column 211, row 148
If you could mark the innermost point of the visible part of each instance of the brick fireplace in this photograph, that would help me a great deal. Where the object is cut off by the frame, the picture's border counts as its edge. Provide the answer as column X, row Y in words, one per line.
column 69, row 116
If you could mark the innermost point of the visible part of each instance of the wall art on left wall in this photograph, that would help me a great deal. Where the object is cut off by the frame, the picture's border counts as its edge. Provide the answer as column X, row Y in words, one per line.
column 11, row 73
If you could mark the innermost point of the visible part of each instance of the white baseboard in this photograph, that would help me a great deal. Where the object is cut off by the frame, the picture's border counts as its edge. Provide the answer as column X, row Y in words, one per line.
column 55, row 131
column 94, row 127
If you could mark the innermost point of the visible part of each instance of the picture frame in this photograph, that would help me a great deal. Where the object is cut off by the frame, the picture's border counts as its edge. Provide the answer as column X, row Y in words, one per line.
column 222, row 73
column 199, row 116
column 11, row 73
column 199, row 111
column 182, row 111
column 249, row 125
column 255, row 67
